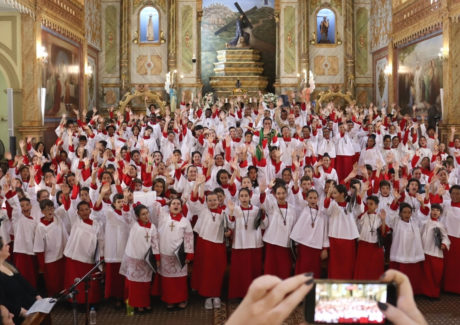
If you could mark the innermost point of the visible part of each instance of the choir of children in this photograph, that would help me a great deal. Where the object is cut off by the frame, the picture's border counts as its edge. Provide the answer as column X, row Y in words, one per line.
column 269, row 190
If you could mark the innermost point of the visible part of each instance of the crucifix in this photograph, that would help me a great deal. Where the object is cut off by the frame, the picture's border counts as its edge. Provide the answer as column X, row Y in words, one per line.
column 171, row 226
column 372, row 231
column 147, row 237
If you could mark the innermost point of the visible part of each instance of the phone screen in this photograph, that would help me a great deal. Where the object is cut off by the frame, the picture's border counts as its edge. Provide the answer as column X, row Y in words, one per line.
column 343, row 302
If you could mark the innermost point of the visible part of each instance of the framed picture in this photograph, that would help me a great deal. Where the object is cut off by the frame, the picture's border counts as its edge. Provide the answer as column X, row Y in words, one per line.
column 380, row 59
column 62, row 76
column 91, row 79
column 419, row 75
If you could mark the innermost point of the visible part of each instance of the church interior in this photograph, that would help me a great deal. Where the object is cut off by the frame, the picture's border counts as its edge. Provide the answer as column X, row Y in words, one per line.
column 63, row 58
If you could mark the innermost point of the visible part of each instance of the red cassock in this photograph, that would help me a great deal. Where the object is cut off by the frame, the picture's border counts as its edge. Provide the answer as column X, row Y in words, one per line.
column 54, row 278
column 173, row 290
column 432, row 268
column 343, row 166
column 369, row 261
column 451, row 281
column 114, row 281
column 27, row 265
column 308, row 260
column 245, row 266
column 414, row 272
column 138, row 293
column 76, row 269
column 342, row 256
column 209, row 267
column 278, row 261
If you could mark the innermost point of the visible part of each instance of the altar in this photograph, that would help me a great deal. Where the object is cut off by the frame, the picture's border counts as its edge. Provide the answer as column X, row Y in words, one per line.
column 243, row 64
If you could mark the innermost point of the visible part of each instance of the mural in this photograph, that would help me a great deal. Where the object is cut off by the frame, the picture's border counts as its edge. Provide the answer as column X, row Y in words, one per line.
column 93, row 22
column 420, row 75
column 325, row 25
column 218, row 13
column 362, row 52
column 381, row 82
column 289, row 40
column 62, row 76
column 149, row 25
column 380, row 29
column 111, row 40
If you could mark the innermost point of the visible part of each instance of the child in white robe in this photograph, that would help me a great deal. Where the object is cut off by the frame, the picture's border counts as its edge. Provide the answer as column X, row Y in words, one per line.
column 142, row 237
column 246, row 259
column 174, row 230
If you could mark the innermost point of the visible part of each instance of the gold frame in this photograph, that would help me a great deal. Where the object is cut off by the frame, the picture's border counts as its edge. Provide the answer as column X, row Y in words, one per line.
column 139, row 26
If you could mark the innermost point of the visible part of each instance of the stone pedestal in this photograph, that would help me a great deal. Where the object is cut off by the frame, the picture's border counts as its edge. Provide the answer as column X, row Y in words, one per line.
column 238, row 64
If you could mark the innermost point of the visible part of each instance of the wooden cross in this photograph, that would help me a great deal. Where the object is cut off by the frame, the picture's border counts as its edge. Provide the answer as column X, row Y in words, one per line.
column 147, row 237
column 171, row 226
column 372, row 231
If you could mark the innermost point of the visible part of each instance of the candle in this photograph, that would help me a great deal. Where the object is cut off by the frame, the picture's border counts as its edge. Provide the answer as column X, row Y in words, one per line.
column 305, row 74
column 250, row 99
column 192, row 96
column 226, row 100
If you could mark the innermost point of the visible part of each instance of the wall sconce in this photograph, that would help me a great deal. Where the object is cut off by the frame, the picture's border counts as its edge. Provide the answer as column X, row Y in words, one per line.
column 42, row 55
column 162, row 37
column 443, row 54
column 136, row 37
column 388, row 70
column 88, row 70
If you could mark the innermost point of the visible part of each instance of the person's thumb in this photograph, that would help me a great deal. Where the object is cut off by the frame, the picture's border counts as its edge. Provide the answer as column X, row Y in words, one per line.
column 395, row 315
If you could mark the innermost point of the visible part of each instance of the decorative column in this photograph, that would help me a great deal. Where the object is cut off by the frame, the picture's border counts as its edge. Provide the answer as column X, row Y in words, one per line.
column 199, row 16
column 32, row 124
column 172, row 39
column 349, row 49
column 125, row 77
column 392, row 76
column 278, row 62
column 304, row 34
column 451, row 76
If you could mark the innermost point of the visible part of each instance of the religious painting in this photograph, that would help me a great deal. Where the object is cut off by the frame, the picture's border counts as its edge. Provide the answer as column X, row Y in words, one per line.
column 62, row 75
column 91, row 81
column 325, row 26
column 149, row 25
column 420, row 75
column 218, row 14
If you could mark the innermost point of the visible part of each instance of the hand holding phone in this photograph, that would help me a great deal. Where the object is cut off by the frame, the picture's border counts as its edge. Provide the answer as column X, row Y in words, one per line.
column 348, row 302
column 405, row 312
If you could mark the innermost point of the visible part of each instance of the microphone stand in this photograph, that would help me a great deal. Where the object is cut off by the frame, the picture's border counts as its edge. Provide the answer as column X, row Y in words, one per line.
column 72, row 292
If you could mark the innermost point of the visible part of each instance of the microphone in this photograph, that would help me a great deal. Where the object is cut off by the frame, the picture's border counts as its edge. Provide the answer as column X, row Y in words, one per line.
column 76, row 280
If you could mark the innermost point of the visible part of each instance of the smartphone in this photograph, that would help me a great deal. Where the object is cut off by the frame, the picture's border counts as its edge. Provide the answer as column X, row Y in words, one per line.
column 348, row 302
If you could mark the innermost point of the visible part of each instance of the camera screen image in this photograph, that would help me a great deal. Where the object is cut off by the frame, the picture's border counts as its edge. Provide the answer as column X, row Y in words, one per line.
column 349, row 303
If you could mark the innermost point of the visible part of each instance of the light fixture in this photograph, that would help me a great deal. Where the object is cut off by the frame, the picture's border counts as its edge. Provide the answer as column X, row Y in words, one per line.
column 42, row 55
column 88, row 70
column 443, row 53
column 388, row 70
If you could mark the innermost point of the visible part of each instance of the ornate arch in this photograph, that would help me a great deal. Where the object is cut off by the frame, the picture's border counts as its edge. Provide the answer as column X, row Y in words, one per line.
column 154, row 97
column 338, row 97
column 10, row 72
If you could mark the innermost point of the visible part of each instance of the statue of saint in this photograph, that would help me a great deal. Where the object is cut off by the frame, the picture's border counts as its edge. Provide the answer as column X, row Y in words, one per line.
column 150, row 36
column 241, row 38
column 324, row 29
